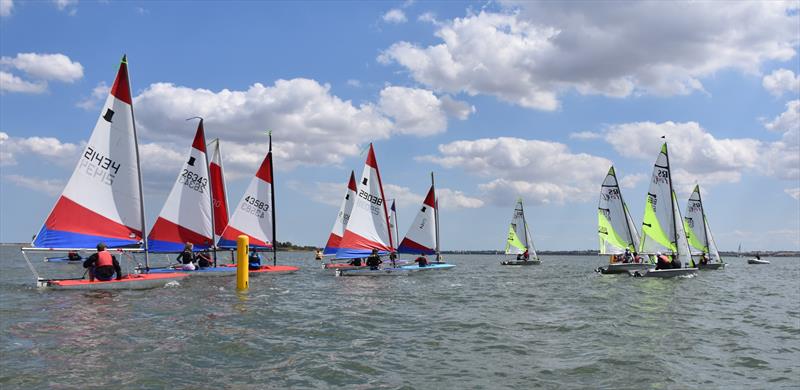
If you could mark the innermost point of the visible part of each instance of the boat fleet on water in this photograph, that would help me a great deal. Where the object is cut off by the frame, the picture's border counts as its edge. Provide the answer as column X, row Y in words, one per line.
column 103, row 202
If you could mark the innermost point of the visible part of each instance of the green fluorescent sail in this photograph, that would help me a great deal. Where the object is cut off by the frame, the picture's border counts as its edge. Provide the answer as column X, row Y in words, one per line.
column 608, row 235
column 513, row 241
column 652, row 228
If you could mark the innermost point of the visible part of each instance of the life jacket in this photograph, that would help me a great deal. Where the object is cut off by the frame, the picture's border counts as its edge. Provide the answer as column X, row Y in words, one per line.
column 664, row 259
column 104, row 259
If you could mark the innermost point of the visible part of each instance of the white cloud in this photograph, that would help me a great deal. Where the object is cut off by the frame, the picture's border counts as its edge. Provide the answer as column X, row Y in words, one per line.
column 354, row 83
column 780, row 81
column 428, row 17
column 793, row 192
column 585, row 135
column 45, row 66
column 542, row 171
column 782, row 158
column 630, row 181
column 531, row 52
column 787, row 122
column 93, row 101
column 51, row 148
column 11, row 83
column 331, row 194
column 419, row 111
column 70, row 6
column 395, row 16
column 453, row 199
column 6, row 6
column 48, row 186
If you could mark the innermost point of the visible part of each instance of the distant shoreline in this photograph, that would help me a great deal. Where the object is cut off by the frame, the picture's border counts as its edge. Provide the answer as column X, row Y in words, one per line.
column 585, row 252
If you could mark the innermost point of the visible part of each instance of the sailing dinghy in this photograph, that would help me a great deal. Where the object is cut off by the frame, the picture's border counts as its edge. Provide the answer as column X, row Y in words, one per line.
column 368, row 226
column 519, row 239
column 701, row 242
column 662, row 225
column 103, row 202
column 423, row 235
column 335, row 238
column 615, row 228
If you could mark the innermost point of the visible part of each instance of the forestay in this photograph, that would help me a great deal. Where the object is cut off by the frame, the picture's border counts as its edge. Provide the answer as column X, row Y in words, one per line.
column 186, row 215
column 253, row 214
column 615, row 226
column 368, row 227
column 102, row 199
column 341, row 219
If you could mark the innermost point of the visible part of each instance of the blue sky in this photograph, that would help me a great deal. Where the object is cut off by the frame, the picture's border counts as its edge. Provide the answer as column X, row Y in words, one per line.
column 500, row 99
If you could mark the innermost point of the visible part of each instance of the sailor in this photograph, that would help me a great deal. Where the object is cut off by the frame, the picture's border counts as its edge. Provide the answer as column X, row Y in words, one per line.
column 421, row 260
column 374, row 261
column 526, row 256
column 628, row 258
column 73, row 256
column 254, row 261
column 204, row 259
column 355, row 262
column 703, row 259
column 663, row 261
column 102, row 265
column 637, row 258
column 393, row 258
column 318, row 255
column 675, row 262
column 187, row 258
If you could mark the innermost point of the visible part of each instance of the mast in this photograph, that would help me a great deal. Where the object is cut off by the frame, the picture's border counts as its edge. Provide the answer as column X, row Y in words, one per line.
column 524, row 223
column 272, row 193
column 210, row 198
column 139, row 169
column 436, row 218
column 396, row 221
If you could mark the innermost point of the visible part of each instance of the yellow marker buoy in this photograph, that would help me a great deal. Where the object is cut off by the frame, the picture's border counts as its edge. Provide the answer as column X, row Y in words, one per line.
column 242, row 263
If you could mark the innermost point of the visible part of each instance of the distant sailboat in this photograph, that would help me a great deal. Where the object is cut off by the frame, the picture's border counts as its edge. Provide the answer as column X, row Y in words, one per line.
column 368, row 226
column 519, row 241
column 423, row 234
column 699, row 233
column 615, row 228
column 662, row 225
column 103, row 202
column 187, row 214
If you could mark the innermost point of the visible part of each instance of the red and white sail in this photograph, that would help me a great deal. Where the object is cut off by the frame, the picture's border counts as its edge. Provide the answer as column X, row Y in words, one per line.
column 186, row 215
column 253, row 214
column 368, row 227
column 219, row 193
column 341, row 219
column 102, row 202
column 421, row 236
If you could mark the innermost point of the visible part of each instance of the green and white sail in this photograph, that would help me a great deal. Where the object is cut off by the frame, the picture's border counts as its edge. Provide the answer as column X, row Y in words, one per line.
column 662, row 225
column 519, row 235
column 697, row 231
column 615, row 225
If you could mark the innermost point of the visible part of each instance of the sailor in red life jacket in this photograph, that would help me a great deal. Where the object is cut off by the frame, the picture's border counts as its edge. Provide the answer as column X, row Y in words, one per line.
column 102, row 265
column 526, row 256
column 421, row 260
column 663, row 261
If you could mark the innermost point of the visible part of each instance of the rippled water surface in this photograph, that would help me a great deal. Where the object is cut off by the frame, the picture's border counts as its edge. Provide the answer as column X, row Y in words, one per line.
column 481, row 325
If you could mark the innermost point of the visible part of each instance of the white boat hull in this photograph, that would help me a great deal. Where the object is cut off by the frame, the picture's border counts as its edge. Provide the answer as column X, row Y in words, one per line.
column 623, row 268
column 129, row 282
column 711, row 266
column 757, row 261
column 664, row 273
column 374, row 272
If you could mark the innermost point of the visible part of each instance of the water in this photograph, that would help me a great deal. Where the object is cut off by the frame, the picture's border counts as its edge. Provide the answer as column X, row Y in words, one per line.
column 481, row 325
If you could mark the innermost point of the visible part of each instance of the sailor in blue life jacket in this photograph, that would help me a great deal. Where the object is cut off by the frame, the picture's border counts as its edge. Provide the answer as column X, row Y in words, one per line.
column 102, row 265
column 254, row 261
column 374, row 261
column 627, row 257
column 662, row 261
column 422, row 261
column 187, row 258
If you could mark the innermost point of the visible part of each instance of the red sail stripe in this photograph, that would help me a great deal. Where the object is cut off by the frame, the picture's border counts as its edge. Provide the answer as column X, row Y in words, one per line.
column 69, row 216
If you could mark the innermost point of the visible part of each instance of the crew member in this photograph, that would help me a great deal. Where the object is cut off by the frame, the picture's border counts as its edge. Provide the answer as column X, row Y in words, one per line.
column 526, row 256
column 102, row 265
column 204, row 259
column 421, row 260
column 374, row 261
column 187, row 258
column 355, row 262
column 254, row 261
column 393, row 258
column 73, row 256
column 663, row 261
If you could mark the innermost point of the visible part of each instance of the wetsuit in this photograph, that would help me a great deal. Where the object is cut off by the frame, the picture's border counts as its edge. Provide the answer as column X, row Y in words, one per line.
column 355, row 262
column 102, row 266
column 374, row 261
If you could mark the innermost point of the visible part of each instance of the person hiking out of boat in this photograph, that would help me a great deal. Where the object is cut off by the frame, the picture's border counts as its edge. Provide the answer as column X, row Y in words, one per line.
column 73, row 256
column 637, row 258
column 526, row 255
column 254, row 261
column 355, row 262
column 675, row 263
column 204, row 259
column 102, row 265
column 393, row 259
column 421, row 260
column 663, row 261
column 374, row 261
column 187, row 258
column 703, row 259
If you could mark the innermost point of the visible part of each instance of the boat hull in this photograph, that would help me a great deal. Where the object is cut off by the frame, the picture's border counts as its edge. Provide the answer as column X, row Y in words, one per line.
column 229, row 270
column 623, row 268
column 521, row 262
column 711, row 266
column 128, row 282
column 664, row 273
column 757, row 261
column 374, row 272
column 430, row 267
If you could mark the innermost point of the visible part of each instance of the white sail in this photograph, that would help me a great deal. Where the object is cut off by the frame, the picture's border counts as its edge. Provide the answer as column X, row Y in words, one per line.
column 680, row 234
column 332, row 246
column 421, row 236
column 519, row 235
column 253, row 213
column 658, row 224
column 368, row 227
column 615, row 226
column 698, row 232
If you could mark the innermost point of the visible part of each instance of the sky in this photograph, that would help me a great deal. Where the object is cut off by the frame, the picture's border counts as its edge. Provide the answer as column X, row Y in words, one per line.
column 500, row 99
